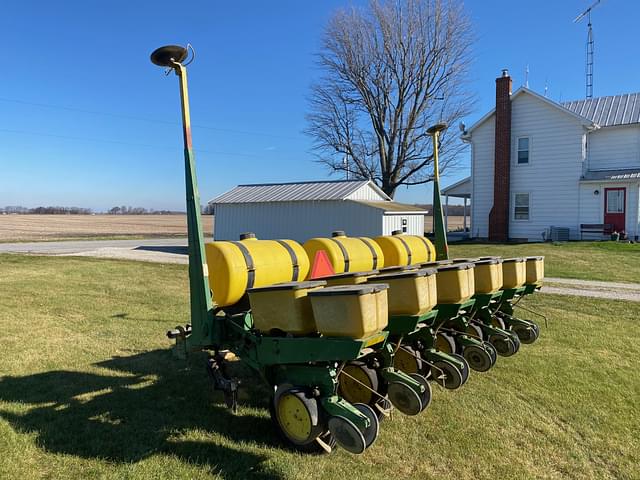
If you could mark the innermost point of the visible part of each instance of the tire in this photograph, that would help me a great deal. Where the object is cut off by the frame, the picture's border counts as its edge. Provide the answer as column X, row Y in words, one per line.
column 308, row 445
column 407, row 360
column 354, row 392
column 453, row 378
column 405, row 398
column 479, row 358
column 466, row 370
column 475, row 331
column 504, row 344
column 526, row 334
column 426, row 396
column 445, row 343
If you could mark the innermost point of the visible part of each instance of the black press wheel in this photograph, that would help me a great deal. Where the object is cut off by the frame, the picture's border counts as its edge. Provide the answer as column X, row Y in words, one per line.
column 370, row 433
column 447, row 375
column 347, row 435
column 504, row 344
column 465, row 370
column 526, row 333
column 404, row 398
column 479, row 358
column 425, row 398
column 492, row 352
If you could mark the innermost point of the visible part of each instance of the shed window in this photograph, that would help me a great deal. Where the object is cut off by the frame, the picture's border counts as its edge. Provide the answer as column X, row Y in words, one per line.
column 523, row 150
column 521, row 211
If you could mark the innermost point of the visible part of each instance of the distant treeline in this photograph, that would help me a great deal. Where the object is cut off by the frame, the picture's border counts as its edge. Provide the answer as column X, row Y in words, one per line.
column 124, row 210
column 454, row 210
column 46, row 210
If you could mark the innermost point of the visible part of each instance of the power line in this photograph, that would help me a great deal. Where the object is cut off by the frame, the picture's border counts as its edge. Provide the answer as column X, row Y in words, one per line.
column 141, row 119
column 119, row 142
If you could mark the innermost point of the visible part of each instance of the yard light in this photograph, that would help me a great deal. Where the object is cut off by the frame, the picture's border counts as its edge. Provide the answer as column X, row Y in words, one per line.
column 173, row 57
column 442, row 248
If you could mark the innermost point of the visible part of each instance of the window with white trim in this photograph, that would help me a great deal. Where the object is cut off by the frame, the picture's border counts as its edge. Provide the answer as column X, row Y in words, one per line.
column 523, row 151
column 521, row 209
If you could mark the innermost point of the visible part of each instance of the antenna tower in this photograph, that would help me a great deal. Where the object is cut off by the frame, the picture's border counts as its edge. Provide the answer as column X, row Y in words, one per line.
column 590, row 43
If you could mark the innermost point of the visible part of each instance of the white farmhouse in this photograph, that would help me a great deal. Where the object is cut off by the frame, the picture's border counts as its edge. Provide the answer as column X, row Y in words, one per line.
column 300, row 211
column 538, row 164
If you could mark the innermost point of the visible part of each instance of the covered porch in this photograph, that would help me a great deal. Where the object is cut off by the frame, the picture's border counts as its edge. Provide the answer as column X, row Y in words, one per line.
column 460, row 189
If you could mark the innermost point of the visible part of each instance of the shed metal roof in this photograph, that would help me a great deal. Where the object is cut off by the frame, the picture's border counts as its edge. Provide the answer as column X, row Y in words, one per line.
column 608, row 111
column 613, row 175
column 296, row 191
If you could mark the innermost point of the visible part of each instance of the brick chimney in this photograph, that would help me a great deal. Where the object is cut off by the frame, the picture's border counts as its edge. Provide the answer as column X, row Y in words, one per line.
column 499, row 214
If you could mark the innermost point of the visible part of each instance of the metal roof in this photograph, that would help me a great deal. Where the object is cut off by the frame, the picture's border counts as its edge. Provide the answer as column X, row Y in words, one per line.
column 626, row 174
column 393, row 207
column 460, row 189
column 608, row 111
column 298, row 191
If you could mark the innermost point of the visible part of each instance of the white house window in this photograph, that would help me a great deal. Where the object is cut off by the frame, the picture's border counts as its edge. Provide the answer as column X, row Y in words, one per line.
column 521, row 211
column 523, row 150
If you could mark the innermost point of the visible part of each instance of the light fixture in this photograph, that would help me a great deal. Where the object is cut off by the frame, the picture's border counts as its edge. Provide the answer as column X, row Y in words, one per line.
column 596, row 192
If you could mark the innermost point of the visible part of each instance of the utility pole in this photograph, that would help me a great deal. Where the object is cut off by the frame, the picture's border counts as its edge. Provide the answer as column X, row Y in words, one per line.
column 440, row 233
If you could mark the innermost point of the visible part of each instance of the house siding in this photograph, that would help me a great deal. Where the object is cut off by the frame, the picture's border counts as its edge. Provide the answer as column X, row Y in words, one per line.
column 592, row 206
column 613, row 148
column 555, row 166
column 296, row 220
column 482, row 167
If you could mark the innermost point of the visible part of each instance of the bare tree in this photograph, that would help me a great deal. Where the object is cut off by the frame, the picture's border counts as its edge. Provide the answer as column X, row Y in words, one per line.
column 390, row 72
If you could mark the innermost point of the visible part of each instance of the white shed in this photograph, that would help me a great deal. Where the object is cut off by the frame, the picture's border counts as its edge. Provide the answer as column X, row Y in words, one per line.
column 300, row 211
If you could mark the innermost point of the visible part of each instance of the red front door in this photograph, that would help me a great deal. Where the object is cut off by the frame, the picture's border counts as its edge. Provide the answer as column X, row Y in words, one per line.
column 615, row 200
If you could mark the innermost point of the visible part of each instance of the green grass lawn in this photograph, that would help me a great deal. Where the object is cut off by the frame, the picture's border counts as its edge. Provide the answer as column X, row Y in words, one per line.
column 608, row 261
column 89, row 389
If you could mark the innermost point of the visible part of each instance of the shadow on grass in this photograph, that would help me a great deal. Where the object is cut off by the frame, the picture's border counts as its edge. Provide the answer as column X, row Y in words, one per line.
column 159, row 406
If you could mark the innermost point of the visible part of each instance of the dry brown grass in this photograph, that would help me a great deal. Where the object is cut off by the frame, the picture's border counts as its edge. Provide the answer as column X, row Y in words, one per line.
column 22, row 228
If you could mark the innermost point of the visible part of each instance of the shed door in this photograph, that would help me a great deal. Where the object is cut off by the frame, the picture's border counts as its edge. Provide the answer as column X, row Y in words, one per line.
column 614, row 207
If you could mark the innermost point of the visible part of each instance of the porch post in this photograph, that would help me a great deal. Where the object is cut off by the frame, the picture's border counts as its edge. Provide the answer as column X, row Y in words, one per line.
column 464, row 215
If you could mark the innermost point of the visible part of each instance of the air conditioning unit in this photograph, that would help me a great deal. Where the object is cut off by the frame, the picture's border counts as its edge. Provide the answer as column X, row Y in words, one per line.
column 559, row 234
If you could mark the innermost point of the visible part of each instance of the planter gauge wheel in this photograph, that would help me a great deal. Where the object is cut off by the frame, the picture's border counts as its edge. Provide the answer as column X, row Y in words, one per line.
column 358, row 383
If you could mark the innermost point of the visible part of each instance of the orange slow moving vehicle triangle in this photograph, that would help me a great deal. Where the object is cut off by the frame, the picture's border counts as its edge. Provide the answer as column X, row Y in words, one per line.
column 321, row 266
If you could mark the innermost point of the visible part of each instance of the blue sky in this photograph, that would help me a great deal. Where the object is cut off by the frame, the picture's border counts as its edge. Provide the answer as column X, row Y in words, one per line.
column 87, row 120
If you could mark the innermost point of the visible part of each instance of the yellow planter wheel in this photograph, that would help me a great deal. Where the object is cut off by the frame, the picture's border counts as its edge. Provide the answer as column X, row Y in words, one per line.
column 497, row 322
column 407, row 360
column 296, row 416
column 474, row 331
column 445, row 343
column 358, row 383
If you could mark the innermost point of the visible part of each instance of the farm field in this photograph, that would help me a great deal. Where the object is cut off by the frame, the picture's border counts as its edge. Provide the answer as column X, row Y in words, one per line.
column 455, row 223
column 90, row 390
column 29, row 228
